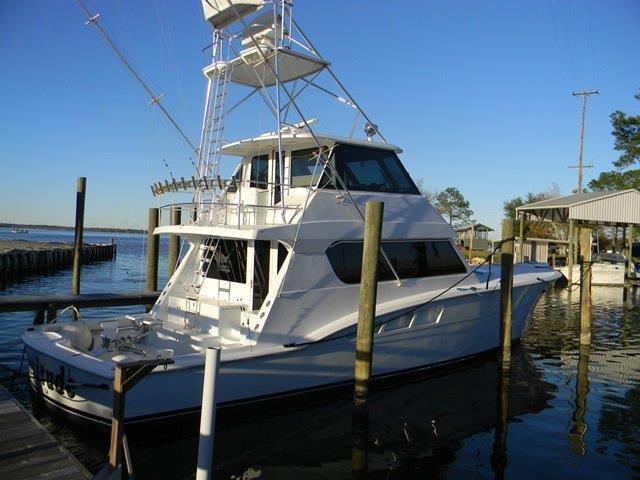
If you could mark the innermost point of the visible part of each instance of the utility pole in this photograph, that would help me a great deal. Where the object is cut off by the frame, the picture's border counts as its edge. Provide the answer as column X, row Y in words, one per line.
column 580, row 165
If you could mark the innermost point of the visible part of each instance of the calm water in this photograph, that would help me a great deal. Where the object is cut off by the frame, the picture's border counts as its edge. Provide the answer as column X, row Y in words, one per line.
column 570, row 413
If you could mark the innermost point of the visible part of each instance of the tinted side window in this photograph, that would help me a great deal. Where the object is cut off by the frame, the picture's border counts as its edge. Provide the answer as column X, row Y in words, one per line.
column 259, row 171
column 303, row 164
column 372, row 170
column 412, row 259
column 226, row 260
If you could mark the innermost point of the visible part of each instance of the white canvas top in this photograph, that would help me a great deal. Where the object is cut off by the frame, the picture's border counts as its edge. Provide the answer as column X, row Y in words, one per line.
column 222, row 13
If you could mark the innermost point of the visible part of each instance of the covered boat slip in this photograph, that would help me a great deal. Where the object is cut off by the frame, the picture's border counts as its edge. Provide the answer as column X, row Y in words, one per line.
column 589, row 209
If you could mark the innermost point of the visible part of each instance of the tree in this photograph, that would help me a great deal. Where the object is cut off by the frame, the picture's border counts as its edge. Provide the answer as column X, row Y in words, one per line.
column 451, row 202
column 626, row 130
column 534, row 228
column 616, row 180
column 510, row 206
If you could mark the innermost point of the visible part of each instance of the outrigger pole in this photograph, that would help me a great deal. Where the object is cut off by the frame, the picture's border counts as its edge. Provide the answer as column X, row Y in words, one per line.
column 93, row 19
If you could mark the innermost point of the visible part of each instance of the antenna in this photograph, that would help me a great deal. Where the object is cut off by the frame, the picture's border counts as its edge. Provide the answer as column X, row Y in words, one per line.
column 581, row 166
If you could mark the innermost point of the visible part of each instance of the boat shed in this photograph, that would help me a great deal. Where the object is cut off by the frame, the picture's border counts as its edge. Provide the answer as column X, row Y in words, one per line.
column 619, row 208
column 616, row 208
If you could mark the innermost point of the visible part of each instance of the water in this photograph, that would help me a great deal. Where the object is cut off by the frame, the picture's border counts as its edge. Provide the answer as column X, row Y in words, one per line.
column 570, row 412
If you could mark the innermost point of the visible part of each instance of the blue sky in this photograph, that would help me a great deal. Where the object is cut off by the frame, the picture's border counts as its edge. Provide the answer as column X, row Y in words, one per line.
column 478, row 95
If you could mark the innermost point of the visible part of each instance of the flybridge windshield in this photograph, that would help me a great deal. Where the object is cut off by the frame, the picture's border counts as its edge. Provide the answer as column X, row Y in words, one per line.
column 361, row 168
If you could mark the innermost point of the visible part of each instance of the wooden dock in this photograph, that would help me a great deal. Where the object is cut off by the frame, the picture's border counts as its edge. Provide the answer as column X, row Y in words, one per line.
column 22, row 257
column 28, row 451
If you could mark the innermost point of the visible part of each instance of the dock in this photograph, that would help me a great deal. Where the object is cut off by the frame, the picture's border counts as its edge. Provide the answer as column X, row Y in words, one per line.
column 23, row 257
column 28, row 451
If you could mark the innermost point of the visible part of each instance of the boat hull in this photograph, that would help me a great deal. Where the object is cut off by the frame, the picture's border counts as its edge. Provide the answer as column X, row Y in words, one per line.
column 469, row 326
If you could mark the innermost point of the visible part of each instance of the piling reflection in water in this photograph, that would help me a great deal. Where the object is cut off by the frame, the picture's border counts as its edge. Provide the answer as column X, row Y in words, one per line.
column 578, row 423
column 499, row 454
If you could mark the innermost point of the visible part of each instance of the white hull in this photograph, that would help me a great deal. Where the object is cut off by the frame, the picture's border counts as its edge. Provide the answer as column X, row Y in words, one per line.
column 469, row 327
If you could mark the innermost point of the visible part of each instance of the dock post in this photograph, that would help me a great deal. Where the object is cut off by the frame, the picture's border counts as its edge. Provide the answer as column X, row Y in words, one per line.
column 153, row 243
column 628, row 265
column 174, row 241
column 208, row 415
column 506, row 287
column 521, row 239
column 585, row 286
column 77, row 250
column 117, row 421
column 570, row 249
column 368, row 293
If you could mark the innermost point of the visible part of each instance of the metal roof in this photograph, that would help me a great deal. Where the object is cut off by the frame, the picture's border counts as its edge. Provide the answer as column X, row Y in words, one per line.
column 613, row 207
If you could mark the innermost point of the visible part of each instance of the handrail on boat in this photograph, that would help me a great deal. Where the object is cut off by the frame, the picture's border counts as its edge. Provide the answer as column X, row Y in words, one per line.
column 227, row 214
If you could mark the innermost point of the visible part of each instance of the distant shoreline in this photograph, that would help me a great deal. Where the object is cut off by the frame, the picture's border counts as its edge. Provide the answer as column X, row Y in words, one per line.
column 60, row 227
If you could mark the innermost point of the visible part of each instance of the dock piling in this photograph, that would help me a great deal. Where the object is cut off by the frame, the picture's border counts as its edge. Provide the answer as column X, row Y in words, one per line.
column 506, row 288
column 204, row 469
column 368, row 293
column 628, row 264
column 153, row 243
column 174, row 242
column 81, row 189
column 585, row 286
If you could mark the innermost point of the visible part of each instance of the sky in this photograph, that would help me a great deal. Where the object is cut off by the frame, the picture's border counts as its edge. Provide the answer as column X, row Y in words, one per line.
column 477, row 94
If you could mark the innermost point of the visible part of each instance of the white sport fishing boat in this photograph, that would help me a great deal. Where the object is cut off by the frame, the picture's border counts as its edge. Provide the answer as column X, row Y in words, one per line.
column 272, row 270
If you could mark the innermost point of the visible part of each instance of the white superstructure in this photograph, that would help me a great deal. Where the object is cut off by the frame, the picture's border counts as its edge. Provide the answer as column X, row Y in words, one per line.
column 273, row 254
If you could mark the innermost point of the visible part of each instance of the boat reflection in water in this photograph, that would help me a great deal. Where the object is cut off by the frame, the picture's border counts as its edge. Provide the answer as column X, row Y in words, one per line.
column 413, row 427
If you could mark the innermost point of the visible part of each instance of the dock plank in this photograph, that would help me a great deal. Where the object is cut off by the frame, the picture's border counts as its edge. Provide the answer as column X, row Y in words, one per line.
column 28, row 451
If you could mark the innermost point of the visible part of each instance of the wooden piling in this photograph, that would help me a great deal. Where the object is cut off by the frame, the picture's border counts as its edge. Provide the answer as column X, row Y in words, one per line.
column 174, row 242
column 521, row 239
column 585, row 286
column 368, row 294
column 153, row 244
column 117, row 420
column 506, row 287
column 628, row 263
column 570, row 249
column 77, row 252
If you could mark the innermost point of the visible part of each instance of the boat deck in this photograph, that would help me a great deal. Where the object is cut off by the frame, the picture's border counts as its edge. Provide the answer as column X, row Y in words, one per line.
column 28, row 451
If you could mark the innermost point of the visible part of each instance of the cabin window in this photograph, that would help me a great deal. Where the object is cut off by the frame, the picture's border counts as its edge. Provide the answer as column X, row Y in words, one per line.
column 303, row 164
column 410, row 259
column 282, row 254
column 277, row 188
column 260, row 272
column 372, row 170
column 259, row 171
column 226, row 260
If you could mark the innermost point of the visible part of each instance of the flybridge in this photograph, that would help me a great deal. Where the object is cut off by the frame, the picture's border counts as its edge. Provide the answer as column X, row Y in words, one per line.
column 259, row 50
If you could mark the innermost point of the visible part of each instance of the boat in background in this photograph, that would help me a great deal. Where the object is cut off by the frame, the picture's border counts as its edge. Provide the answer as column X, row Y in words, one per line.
column 271, row 269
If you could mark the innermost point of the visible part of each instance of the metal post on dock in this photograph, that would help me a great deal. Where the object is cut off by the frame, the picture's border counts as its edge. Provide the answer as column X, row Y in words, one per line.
column 585, row 286
column 174, row 242
column 153, row 251
column 79, row 229
column 368, row 294
column 204, row 469
column 506, row 287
